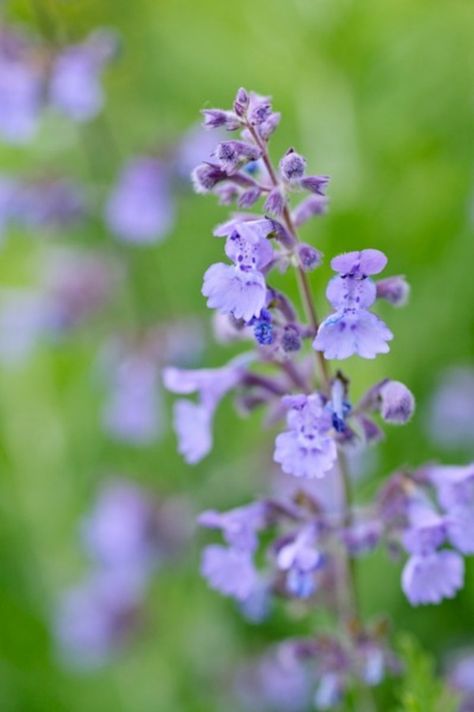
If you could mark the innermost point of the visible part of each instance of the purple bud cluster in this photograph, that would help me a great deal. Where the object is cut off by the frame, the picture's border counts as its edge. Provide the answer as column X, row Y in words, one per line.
column 299, row 545
column 127, row 535
column 33, row 75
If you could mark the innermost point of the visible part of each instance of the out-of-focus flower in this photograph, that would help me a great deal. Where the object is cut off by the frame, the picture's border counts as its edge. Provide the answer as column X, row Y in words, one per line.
column 21, row 79
column 77, row 284
column 140, row 208
column 132, row 411
column 451, row 417
column 95, row 618
column 24, row 318
column 75, row 83
column 121, row 532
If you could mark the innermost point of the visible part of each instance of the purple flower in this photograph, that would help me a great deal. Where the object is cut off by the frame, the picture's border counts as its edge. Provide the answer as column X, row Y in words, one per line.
column 132, row 409
column 452, row 410
column 239, row 526
column 352, row 329
column 259, row 109
column 292, row 167
column 308, row 208
column 230, row 571
column 394, row 290
column 193, row 421
column 94, row 619
column 76, row 284
column 455, row 489
column 217, row 118
column 240, row 289
column 275, row 202
column 120, row 532
column 75, row 85
column 48, row 204
column 20, row 89
column 300, row 559
column 329, row 692
column 427, row 529
column 232, row 155
column 429, row 579
column 362, row 537
column 397, row 403
column 140, row 208
column 307, row 448
column 23, row 320
column 308, row 257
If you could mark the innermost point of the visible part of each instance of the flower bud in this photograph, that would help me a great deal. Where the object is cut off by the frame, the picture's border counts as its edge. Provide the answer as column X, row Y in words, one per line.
column 205, row 176
column 269, row 126
column 308, row 257
column 249, row 197
column 291, row 338
column 231, row 155
column 275, row 203
column 315, row 184
column 292, row 166
column 241, row 102
column 308, row 208
column 397, row 403
column 217, row 118
column 395, row 290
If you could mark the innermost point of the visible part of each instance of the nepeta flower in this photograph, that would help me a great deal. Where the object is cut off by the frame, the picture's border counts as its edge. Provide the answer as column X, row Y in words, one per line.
column 140, row 208
column 239, row 526
column 20, row 88
column 455, row 489
column 94, row 619
column 75, row 84
column 307, row 449
column 240, row 289
column 232, row 155
column 193, row 421
column 300, row 559
column 121, row 530
column 395, row 290
column 292, row 167
column 352, row 329
column 430, row 578
column 131, row 412
column 452, row 410
column 230, row 571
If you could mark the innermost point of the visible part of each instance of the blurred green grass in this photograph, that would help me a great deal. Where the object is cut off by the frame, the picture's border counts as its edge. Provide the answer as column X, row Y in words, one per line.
column 379, row 96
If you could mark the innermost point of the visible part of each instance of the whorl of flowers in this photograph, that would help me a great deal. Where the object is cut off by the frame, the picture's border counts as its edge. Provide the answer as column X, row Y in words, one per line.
column 308, row 545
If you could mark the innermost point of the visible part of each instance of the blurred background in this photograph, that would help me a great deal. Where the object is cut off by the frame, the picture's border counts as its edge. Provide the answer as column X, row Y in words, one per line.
column 377, row 95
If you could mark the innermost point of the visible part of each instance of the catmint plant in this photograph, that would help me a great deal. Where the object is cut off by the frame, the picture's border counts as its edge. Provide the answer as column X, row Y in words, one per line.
column 296, row 546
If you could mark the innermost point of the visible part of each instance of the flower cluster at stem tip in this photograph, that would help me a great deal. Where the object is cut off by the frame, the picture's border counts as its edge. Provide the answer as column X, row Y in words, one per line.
column 314, row 525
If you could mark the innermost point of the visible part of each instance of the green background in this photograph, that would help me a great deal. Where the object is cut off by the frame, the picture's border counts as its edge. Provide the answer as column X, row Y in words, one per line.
column 379, row 95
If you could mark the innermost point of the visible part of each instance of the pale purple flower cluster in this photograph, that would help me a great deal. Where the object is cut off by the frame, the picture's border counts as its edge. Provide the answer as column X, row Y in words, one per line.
column 34, row 75
column 292, row 545
column 425, row 511
column 48, row 204
column 127, row 534
column 140, row 207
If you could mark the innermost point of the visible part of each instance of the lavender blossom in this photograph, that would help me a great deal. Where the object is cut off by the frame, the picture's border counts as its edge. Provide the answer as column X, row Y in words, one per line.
column 94, row 619
column 306, row 449
column 132, row 410
column 75, row 85
column 452, row 410
column 352, row 329
column 240, row 289
column 430, row 578
column 140, row 207
column 229, row 571
column 21, row 81
column 193, row 421
column 121, row 531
